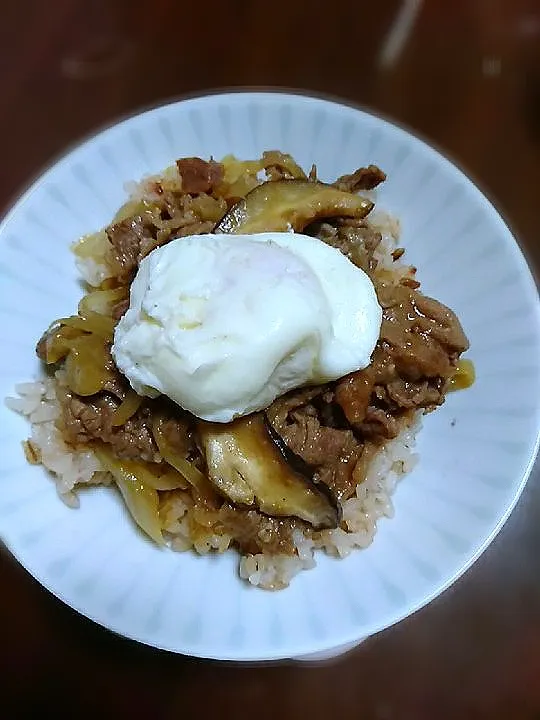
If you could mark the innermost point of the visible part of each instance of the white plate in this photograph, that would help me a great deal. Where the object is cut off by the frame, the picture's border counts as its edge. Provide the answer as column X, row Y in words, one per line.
column 476, row 451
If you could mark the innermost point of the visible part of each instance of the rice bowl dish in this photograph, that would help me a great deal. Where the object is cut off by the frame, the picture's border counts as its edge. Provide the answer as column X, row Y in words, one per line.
column 470, row 462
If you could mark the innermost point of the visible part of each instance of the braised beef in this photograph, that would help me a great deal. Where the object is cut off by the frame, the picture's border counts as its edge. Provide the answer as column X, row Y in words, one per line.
column 131, row 239
column 135, row 237
column 353, row 394
column 365, row 178
column 199, row 176
column 315, row 443
column 355, row 238
column 406, row 394
column 419, row 344
column 85, row 420
column 134, row 440
column 330, row 451
column 279, row 410
column 178, row 431
column 423, row 337
column 255, row 533
column 378, row 425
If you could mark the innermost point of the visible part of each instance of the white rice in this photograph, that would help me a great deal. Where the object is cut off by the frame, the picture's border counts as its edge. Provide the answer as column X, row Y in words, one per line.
column 69, row 468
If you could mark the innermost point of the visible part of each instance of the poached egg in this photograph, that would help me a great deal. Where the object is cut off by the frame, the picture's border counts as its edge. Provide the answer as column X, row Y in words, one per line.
column 224, row 324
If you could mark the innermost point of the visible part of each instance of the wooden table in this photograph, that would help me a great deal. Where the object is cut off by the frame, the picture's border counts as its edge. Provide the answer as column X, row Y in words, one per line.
column 465, row 75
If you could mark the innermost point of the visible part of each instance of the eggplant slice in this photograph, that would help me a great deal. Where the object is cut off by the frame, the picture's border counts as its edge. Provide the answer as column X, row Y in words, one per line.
column 247, row 467
column 284, row 205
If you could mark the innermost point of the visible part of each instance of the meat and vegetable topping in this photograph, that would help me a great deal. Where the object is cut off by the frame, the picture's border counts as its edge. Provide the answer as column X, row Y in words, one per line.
column 260, row 477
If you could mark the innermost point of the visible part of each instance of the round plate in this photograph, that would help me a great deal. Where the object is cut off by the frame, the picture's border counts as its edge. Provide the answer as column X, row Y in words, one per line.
column 475, row 452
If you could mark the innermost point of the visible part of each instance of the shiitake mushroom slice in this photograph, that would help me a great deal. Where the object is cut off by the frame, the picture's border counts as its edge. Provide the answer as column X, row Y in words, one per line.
column 290, row 205
column 247, row 466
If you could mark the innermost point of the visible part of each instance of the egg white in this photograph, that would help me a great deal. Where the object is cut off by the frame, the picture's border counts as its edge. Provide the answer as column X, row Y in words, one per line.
column 224, row 324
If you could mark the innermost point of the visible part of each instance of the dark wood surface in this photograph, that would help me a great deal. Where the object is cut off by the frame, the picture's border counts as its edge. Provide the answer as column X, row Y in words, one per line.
column 466, row 77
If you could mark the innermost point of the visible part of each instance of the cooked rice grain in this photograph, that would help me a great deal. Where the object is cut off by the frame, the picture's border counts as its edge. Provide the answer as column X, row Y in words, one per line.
column 70, row 468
